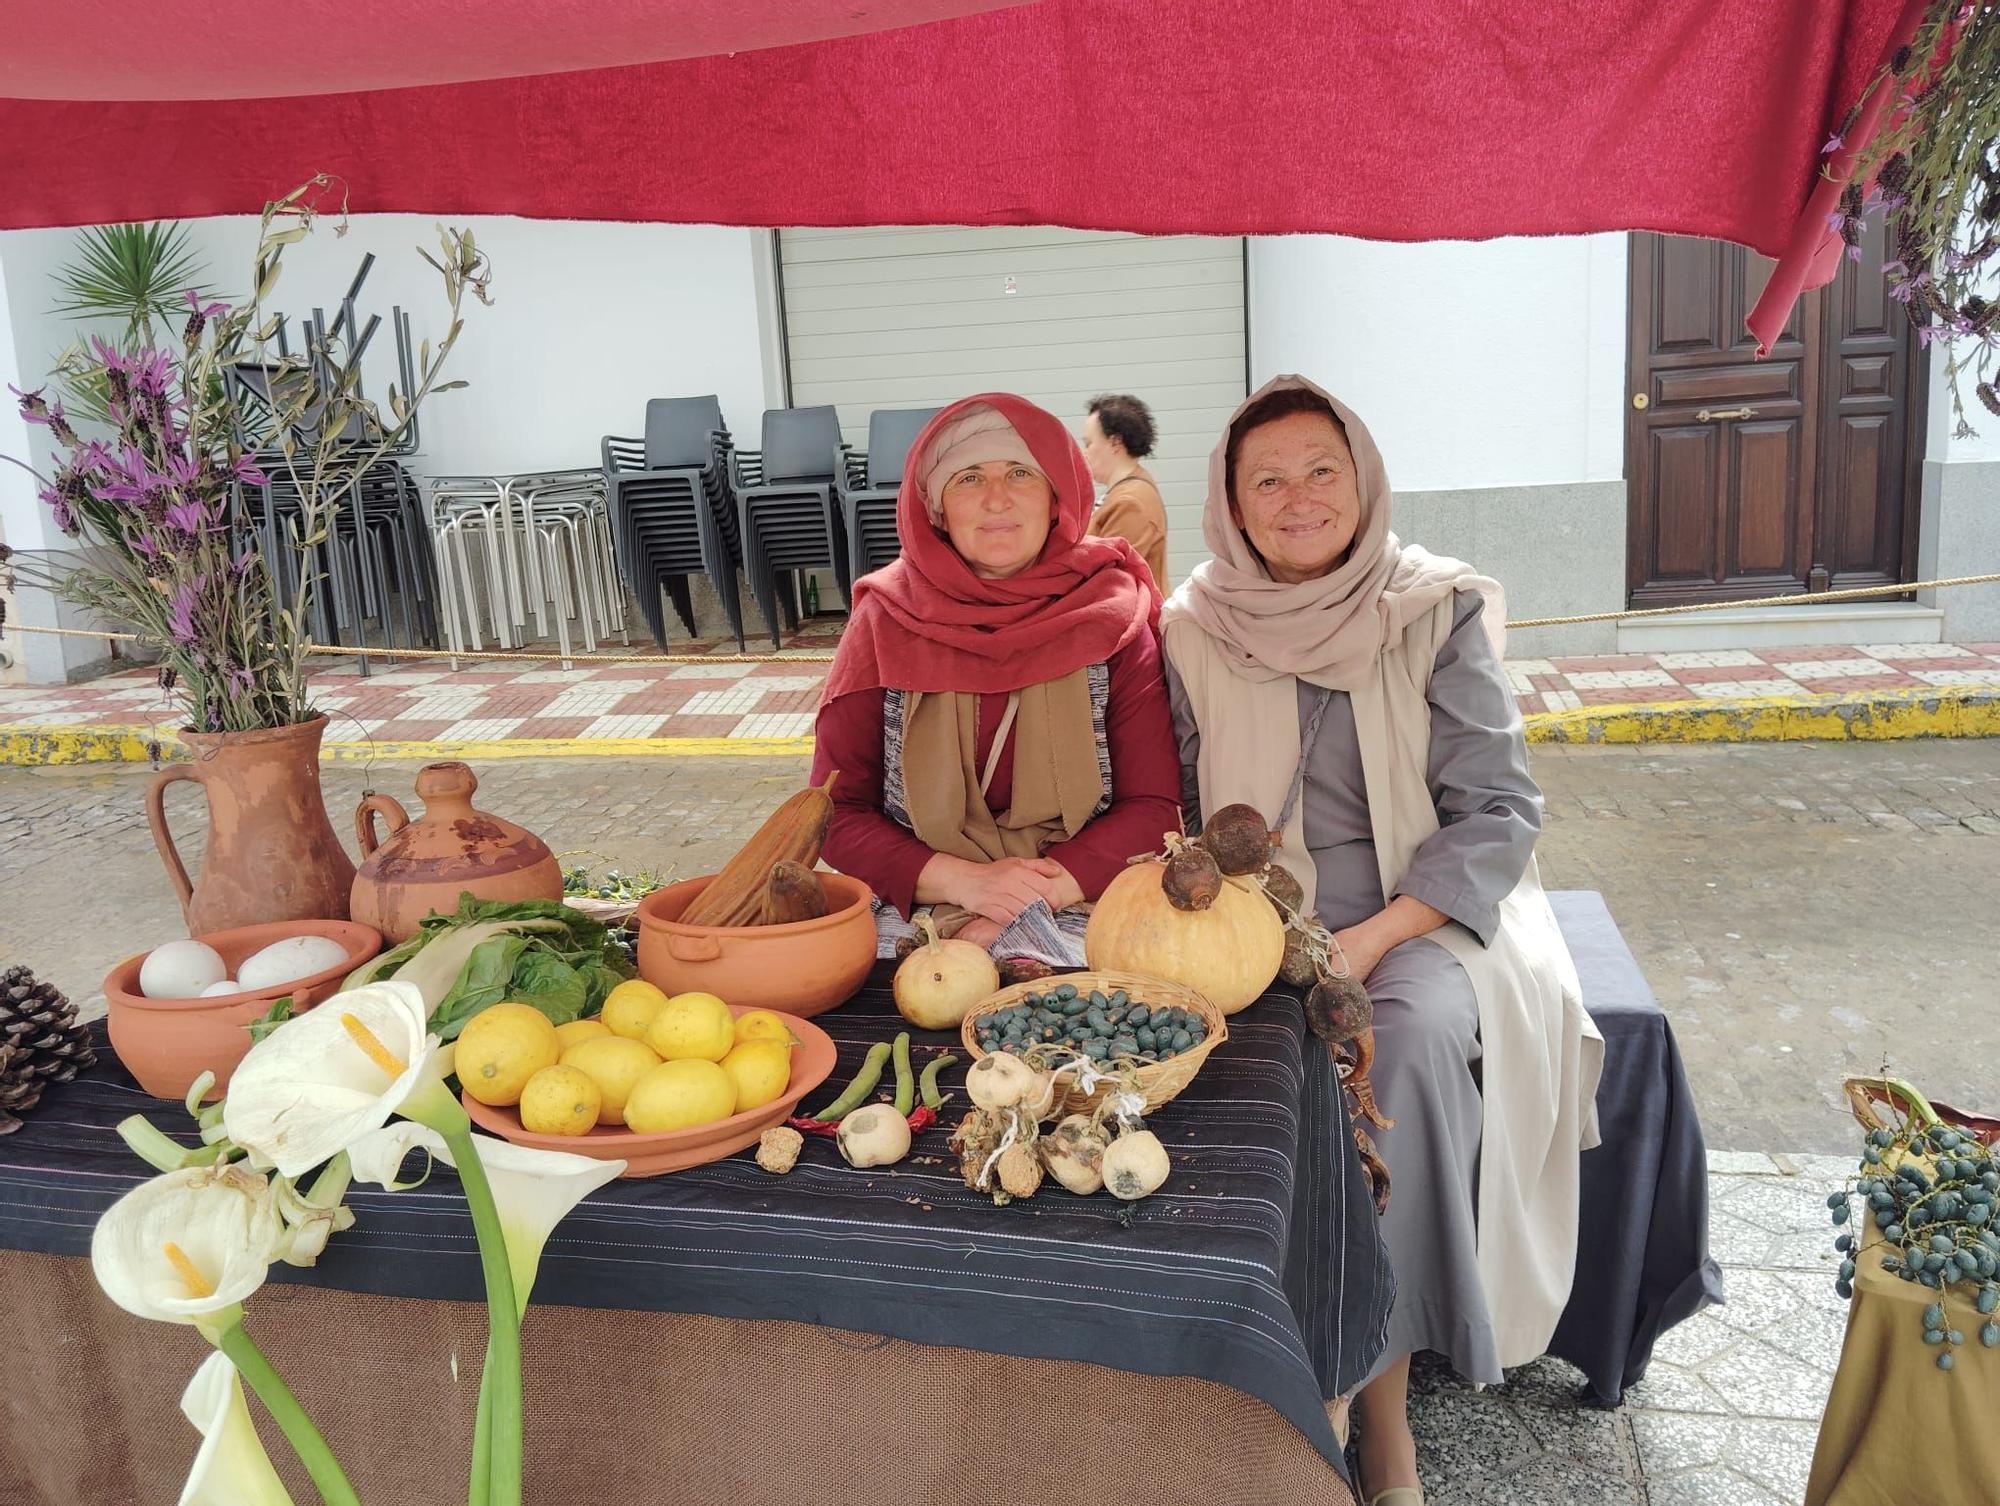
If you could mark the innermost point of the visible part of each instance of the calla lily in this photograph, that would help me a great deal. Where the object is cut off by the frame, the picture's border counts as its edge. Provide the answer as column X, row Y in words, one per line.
column 534, row 1190
column 189, row 1246
column 231, row 1467
column 320, row 1081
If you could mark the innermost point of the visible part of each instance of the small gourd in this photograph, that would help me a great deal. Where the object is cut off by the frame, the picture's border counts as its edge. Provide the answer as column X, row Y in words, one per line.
column 1001, row 1081
column 1136, row 1165
column 939, row 983
column 1074, row 1154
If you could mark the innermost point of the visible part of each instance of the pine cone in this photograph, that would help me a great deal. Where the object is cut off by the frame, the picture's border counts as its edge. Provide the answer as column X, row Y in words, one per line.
column 40, row 1043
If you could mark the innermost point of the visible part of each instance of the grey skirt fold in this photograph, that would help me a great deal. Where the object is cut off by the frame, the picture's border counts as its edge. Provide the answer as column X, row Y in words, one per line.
column 1426, row 1048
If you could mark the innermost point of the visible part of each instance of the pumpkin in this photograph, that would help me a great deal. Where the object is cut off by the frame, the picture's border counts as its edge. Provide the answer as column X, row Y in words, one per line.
column 1228, row 953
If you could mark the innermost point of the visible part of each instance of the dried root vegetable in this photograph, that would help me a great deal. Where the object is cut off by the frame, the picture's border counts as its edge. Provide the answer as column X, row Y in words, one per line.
column 1239, row 838
column 793, row 893
column 778, row 1151
column 1020, row 1170
column 794, row 832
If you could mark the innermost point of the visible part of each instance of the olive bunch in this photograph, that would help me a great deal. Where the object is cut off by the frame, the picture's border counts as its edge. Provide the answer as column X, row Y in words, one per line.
column 1101, row 1026
column 1942, row 1226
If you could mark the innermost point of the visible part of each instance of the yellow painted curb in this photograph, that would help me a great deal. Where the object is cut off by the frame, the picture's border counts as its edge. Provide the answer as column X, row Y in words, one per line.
column 1856, row 716
column 1853, row 716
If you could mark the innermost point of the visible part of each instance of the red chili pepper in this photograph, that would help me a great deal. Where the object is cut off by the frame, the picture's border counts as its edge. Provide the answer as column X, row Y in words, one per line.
column 806, row 1126
column 922, row 1117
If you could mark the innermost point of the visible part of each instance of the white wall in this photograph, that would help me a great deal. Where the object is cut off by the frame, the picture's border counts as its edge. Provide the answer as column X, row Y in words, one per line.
column 1474, row 363
column 588, row 321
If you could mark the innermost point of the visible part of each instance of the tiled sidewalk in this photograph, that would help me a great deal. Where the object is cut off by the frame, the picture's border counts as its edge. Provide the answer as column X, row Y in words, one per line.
column 428, row 702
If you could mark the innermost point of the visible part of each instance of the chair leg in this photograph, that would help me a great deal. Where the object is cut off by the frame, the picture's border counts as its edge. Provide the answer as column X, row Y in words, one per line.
column 683, row 599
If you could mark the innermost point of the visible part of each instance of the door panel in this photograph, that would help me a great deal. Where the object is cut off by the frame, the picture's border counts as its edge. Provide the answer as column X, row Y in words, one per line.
column 1765, row 477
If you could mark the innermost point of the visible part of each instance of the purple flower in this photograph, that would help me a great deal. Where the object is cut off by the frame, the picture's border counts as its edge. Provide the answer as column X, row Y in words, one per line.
column 244, row 469
column 189, row 517
column 1834, row 143
column 1854, row 253
column 59, row 509
column 180, row 611
column 34, row 407
column 211, row 310
column 1836, row 222
column 1903, row 291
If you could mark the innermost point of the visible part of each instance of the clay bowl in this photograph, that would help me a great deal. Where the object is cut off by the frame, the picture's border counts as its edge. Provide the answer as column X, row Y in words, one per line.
column 168, row 1043
column 804, row 967
column 676, row 1150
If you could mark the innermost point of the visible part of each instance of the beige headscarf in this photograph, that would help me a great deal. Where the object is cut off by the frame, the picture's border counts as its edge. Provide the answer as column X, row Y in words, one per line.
column 1328, row 631
column 981, row 433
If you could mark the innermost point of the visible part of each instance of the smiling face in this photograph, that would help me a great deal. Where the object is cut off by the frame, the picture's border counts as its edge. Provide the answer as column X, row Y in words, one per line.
column 997, row 516
column 1293, row 493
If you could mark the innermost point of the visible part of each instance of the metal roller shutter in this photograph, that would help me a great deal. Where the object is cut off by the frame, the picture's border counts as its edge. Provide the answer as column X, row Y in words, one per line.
column 904, row 318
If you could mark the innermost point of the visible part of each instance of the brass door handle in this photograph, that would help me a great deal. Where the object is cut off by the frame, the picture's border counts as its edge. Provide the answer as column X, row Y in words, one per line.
column 1714, row 415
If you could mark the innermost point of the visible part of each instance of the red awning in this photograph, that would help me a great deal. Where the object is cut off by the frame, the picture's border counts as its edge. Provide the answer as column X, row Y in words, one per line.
column 1391, row 119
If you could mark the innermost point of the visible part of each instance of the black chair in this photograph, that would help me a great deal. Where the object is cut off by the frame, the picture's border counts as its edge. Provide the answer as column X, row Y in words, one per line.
column 868, row 490
column 784, row 496
column 672, row 513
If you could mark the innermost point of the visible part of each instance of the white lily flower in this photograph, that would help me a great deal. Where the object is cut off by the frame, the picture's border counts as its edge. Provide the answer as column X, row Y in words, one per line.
column 317, row 1083
column 189, row 1245
column 534, row 1190
column 231, row 1467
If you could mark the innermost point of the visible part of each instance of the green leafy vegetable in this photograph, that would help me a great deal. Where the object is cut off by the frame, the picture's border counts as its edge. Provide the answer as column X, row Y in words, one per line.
column 279, row 1012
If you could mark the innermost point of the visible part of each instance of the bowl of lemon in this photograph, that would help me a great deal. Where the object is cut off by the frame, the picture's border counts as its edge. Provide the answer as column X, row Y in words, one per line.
column 662, row 1083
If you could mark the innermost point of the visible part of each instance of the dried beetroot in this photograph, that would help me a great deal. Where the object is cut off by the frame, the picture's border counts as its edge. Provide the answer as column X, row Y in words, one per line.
column 1192, row 880
column 1287, row 894
column 1239, row 838
column 1338, row 1009
column 1022, row 970
column 1300, row 967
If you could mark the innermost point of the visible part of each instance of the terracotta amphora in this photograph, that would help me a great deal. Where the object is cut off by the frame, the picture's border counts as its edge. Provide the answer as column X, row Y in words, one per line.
column 272, row 854
column 421, row 866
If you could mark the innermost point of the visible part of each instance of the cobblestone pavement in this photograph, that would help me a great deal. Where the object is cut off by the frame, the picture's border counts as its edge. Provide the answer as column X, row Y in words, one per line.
column 1802, row 910
column 1729, row 1410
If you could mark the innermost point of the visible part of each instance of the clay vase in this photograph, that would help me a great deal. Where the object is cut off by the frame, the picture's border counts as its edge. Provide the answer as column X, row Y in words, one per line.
column 421, row 866
column 272, row 854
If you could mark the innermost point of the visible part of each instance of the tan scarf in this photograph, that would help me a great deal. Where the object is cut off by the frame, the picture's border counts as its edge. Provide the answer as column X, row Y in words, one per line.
column 1056, row 786
column 1540, row 1055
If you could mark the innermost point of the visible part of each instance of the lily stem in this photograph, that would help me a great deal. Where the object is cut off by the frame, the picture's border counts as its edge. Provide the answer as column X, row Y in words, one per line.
column 479, row 1487
column 501, row 1386
column 305, row 1439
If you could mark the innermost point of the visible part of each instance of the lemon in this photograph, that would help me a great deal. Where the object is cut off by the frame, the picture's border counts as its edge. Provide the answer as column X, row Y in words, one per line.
column 692, row 1026
column 577, row 1031
column 560, row 1101
column 678, row 1095
column 614, row 1064
column 502, row 1047
column 760, row 1070
column 629, row 1008
column 763, row 1025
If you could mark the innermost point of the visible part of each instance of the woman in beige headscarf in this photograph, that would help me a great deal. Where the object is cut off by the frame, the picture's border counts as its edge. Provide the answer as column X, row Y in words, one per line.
column 1350, row 688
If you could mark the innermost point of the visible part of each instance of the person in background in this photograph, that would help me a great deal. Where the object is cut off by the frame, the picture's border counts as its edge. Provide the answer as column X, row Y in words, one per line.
column 1117, row 433
column 996, row 708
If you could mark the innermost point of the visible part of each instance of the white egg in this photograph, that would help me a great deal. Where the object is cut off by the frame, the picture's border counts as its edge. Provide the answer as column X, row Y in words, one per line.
column 289, row 960
column 217, row 990
column 181, row 970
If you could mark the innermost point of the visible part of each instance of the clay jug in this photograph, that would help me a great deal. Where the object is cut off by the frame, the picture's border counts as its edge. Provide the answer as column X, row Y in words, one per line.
column 272, row 854
column 421, row 866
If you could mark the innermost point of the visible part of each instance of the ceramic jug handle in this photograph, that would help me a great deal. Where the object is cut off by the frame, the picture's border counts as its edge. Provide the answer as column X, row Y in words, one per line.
column 156, row 817
column 388, row 808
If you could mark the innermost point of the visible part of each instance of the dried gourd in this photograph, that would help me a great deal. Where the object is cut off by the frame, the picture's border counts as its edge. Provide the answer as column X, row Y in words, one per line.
column 794, row 832
column 1192, row 880
column 793, row 893
column 1239, row 839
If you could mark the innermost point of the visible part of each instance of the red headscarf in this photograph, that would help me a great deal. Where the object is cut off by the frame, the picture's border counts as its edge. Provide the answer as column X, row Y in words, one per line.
column 926, row 622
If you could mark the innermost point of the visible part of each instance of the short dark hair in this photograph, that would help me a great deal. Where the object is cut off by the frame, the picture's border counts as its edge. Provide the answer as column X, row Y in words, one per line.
column 1269, row 408
column 1124, row 418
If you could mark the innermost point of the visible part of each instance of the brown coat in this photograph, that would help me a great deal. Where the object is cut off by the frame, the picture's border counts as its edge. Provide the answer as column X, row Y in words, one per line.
column 1132, row 511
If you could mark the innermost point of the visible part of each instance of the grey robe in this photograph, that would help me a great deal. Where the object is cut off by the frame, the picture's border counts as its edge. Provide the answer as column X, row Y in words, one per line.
column 1426, row 1017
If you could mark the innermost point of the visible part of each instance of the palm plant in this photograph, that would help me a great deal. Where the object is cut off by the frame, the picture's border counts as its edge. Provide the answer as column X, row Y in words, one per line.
column 137, row 273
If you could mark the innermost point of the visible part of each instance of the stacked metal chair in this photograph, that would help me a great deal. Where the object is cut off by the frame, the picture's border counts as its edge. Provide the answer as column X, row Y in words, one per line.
column 868, row 490
column 784, row 495
column 672, row 514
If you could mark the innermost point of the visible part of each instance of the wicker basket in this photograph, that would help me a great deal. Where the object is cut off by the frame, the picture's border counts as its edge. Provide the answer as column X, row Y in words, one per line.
column 1160, row 1082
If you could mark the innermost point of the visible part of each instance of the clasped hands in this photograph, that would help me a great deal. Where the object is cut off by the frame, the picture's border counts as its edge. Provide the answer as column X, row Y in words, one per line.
column 996, row 893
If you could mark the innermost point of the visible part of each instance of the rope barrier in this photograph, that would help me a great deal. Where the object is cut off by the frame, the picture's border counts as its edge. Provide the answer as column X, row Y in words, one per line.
column 349, row 651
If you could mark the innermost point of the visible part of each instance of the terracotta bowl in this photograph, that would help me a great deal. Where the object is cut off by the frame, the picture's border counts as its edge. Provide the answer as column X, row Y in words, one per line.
column 676, row 1150
column 804, row 968
column 168, row 1043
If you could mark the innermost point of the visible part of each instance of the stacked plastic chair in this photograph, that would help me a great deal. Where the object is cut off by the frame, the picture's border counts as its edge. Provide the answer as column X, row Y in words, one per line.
column 672, row 514
column 868, row 490
column 784, row 496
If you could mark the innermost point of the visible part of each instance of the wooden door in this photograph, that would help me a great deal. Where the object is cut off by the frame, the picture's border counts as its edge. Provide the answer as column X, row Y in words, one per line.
column 1770, row 477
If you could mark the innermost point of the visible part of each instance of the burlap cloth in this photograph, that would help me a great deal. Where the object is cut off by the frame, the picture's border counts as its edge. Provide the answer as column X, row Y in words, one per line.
column 1897, row 1430
column 653, row 1409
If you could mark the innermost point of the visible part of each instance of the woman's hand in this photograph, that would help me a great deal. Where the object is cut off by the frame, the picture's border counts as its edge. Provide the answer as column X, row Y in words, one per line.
column 1366, row 944
column 998, row 891
column 980, row 932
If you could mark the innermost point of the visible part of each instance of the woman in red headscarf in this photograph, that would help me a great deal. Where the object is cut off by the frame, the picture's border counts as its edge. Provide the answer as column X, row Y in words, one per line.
column 997, row 710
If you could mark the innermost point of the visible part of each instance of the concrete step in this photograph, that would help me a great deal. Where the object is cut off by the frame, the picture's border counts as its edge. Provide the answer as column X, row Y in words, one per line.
column 1783, row 627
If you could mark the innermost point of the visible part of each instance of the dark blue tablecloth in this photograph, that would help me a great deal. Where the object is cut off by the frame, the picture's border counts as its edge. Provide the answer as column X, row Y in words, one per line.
column 1257, row 1265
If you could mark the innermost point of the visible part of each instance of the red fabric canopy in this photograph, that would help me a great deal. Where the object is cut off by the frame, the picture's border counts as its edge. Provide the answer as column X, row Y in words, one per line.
column 1391, row 119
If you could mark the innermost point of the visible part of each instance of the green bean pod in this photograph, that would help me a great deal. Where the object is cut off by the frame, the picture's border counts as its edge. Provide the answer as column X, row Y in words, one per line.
column 906, row 1082
column 933, row 1099
column 858, row 1090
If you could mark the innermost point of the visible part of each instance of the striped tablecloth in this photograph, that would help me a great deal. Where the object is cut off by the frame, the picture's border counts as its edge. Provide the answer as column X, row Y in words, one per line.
column 1257, row 1265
